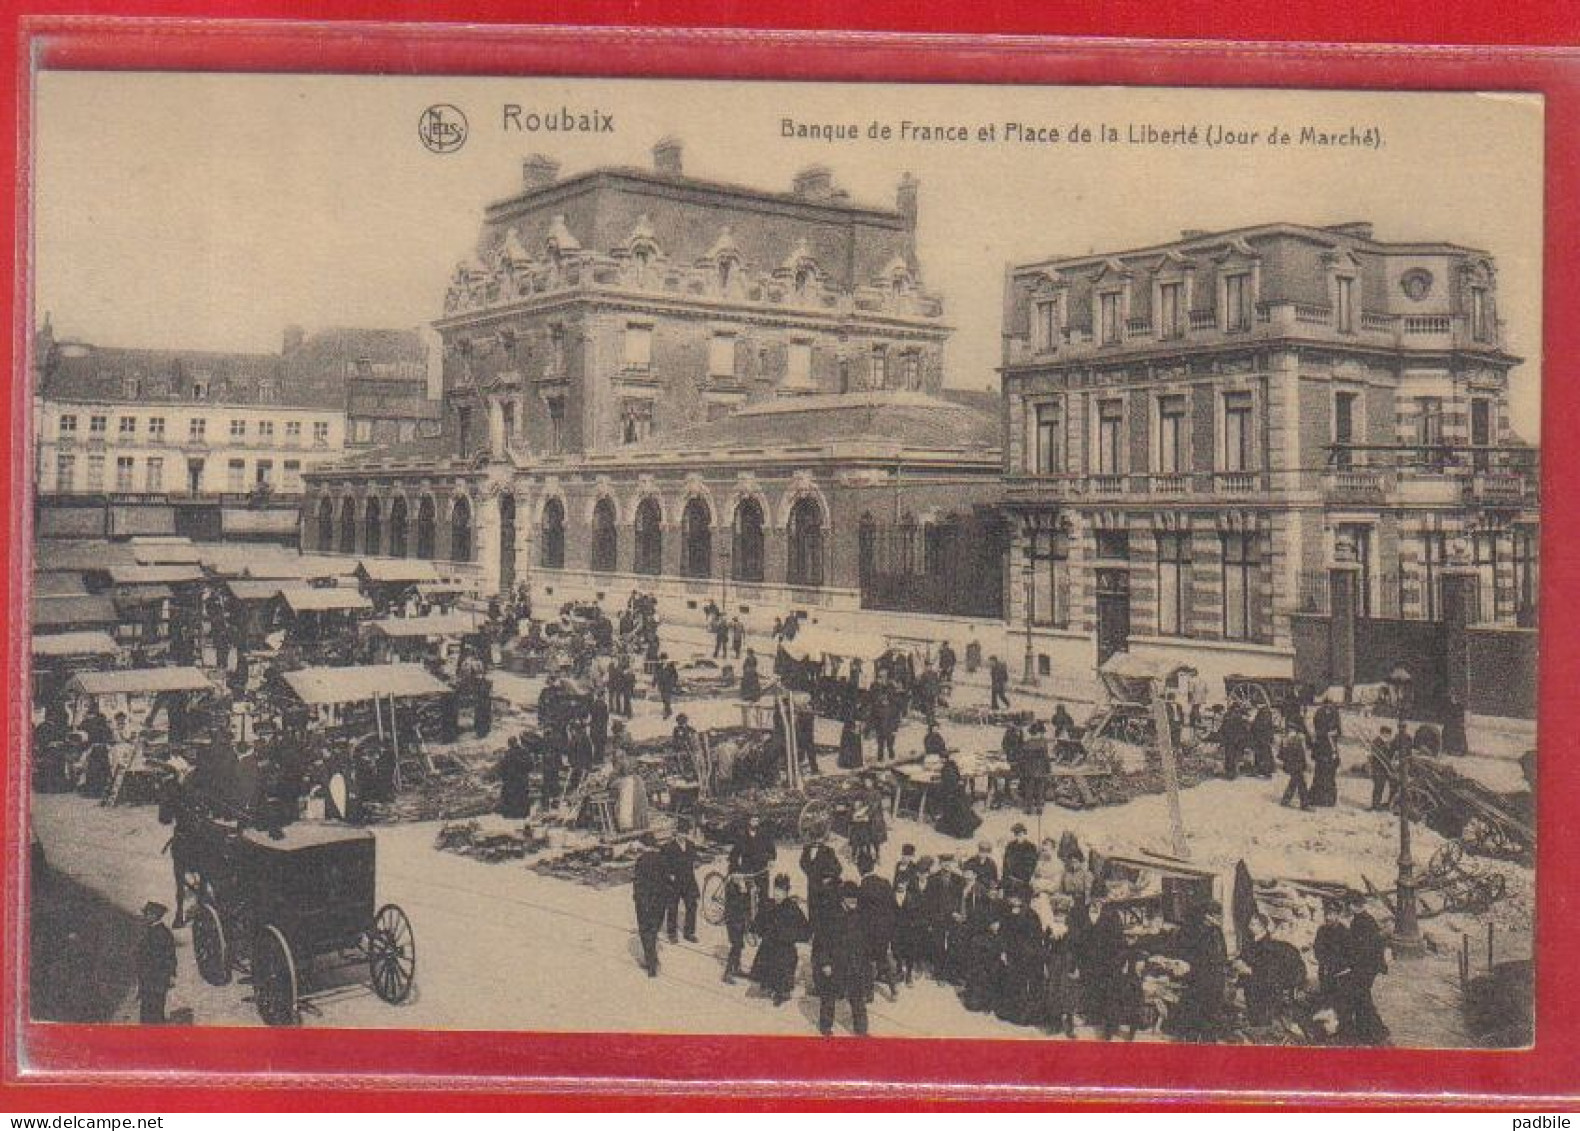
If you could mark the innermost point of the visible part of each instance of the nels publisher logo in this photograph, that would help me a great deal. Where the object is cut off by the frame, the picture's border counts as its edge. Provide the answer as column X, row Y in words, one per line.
column 442, row 128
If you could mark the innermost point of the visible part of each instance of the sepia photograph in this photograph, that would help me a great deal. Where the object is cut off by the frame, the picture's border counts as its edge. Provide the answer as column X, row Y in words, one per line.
column 800, row 559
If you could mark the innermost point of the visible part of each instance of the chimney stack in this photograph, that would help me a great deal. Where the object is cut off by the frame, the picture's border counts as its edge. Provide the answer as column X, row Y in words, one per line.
column 539, row 170
column 905, row 197
column 667, row 156
column 815, row 182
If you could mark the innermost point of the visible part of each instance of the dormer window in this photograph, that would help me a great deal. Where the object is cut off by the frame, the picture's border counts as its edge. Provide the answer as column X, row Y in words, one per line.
column 1237, row 302
column 1171, row 309
column 1047, row 329
column 1110, row 318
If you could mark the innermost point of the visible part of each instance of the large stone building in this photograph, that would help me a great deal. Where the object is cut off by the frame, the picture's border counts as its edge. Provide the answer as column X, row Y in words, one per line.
column 655, row 378
column 139, row 441
column 1199, row 429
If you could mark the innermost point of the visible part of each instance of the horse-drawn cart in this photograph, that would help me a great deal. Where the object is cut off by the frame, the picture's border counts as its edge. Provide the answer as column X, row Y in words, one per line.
column 288, row 906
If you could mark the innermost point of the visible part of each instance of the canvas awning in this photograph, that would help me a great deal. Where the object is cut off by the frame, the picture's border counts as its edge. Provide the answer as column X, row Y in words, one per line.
column 59, row 583
column 155, row 575
column 816, row 642
column 73, row 612
column 399, row 570
column 141, row 594
column 438, row 624
column 56, row 554
column 166, row 553
column 140, row 681
column 74, row 644
column 321, row 686
column 301, row 599
column 253, row 590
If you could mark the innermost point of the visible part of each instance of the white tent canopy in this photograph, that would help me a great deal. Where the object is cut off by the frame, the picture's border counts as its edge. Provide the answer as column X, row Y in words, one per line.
column 817, row 641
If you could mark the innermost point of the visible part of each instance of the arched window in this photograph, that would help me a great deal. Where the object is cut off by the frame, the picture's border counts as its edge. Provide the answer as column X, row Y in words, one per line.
column 427, row 520
column 649, row 557
column 348, row 526
column 696, row 540
column 804, row 566
column 326, row 525
column 461, row 530
column 605, row 539
column 373, row 528
column 507, row 542
column 552, row 555
column 398, row 528
column 748, row 541
column 726, row 272
column 867, row 549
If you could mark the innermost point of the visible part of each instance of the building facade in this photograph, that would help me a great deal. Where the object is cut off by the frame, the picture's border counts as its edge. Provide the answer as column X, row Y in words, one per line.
column 1198, row 430
column 651, row 377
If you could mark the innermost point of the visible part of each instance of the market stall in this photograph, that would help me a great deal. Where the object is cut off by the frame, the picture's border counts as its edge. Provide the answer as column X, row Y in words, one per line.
column 311, row 614
column 140, row 695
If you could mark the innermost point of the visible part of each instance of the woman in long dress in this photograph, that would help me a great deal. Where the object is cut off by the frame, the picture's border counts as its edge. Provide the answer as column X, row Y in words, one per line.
column 956, row 818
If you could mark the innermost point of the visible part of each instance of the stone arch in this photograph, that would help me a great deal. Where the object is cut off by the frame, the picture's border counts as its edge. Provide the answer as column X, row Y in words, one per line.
column 551, row 532
column 805, row 537
column 427, row 525
column 461, row 529
column 648, row 528
column 748, row 523
column 373, row 526
column 696, row 538
column 605, row 523
column 399, row 522
column 348, row 524
column 326, row 523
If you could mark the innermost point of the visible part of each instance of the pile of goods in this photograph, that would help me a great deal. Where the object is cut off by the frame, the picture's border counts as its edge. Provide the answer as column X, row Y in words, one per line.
column 780, row 808
column 444, row 796
column 599, row 864
column 468, row 839
column 983, row 717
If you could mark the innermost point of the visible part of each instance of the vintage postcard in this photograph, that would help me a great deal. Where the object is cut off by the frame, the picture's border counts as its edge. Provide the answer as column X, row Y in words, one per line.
column 1038, row 563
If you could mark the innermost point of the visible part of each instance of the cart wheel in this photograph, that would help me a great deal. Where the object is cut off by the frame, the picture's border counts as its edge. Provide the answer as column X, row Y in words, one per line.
column 817, row 818
column 392, row 954
column 274, row 985
column 210, row 946
column 713, row 898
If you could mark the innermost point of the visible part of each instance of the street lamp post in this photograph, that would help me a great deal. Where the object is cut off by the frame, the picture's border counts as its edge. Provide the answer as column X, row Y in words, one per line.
column 1029, row 676
column 1407, row 931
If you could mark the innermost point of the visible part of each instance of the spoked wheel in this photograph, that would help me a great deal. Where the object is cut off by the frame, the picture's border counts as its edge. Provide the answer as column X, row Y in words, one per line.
column 817, row 818
column 392, row 954
column 713, row 898
column 209, row 945
column 274, row 985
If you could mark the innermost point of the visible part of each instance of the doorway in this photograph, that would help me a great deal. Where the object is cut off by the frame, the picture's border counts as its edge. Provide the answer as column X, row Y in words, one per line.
column 1113, row 613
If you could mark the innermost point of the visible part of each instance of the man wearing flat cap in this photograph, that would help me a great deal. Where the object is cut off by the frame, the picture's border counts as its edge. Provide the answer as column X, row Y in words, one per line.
column 156, row 964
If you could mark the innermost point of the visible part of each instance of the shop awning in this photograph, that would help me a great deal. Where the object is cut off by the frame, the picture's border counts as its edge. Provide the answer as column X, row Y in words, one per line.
column 59, row 584
column 320, row 686
column 437, row 624
column 816, row 642
column 155, row 575
column 73, row 612
column 301, row 599
column 166, row 553
column 253, row 590
column 140, row 681
column 399, row 570
column 74, row 644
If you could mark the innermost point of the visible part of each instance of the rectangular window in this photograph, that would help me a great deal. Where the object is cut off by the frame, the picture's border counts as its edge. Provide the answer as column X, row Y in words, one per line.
column 1239, row 586
column 1480, row 319
column 1429, row 431
column 200, row 390
column 128, row 427
column 721, row 356
column 556, row 425
column 95, row 473
column 1170, row 321
column 636, row 421
column 197, row 429
column 1047, row 334
column 154, row 474
column 1108, row 312
column 1481, row 432
column 1434, row 556
column 266, row 390
column 556, row 351
column 463, row 431
column 799, row 364
column 320, row 434
column 1048, row 456
column 1487, row 607
column 292, row 479
column 1173, row 440
column 293, row 432
column 156, row 429
column 65, row 473
column 98, row 427
column 266, row 431
column 1344, row 305
column 1050, row 580
column 911, row 370
column 236, row 475
column 406, row 430
column 238, row 430
column 1344, row 429
column 1237, row 302
column 264, row 473
column 1113, row 545
column 1359, row 536
column 1527, row 576
column 880, row 367
column 1110, row 437
column 131, row 387
column 1173, row 584
column 362, row 431
column 124, row 470
column 68, row 426
column 638, row 346
column 1238, row 435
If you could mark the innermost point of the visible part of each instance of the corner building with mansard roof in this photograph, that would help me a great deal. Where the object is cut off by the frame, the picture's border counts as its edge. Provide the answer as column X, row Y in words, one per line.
column 1200, row 431
column 701, row 389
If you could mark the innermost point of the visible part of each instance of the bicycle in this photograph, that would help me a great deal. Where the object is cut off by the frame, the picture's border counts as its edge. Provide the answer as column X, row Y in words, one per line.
column 715, row 886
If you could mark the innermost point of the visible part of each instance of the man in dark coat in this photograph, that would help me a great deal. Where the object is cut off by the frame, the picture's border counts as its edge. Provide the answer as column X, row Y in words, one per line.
column 1262, row 735
column 1380, row 763
column 1359, row 1021
column 1292, row 755
column 667, row 680
column 156, row 964
column 841, row 966
column 1035, row 766
column 998, row 677
column 737, row 636
column 1199, row 1016
column 579, row 750
column 946, row 663
column 1275, row 974
column 1063, row 724
column 821, row 866
column 1020, row 860
column 737, row 919
column 1231, row 740
column 878, row 914
column 680, row 857
column 598, row 728
column 982, row 868
column 1021, row 990
column 752, row 854
column 1325, row 756
column 1332, row 950
column 515, row 793
column 781, row 924
column 652, row 893
column 981, row 951
column 751, row 679
column 1455, row 741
